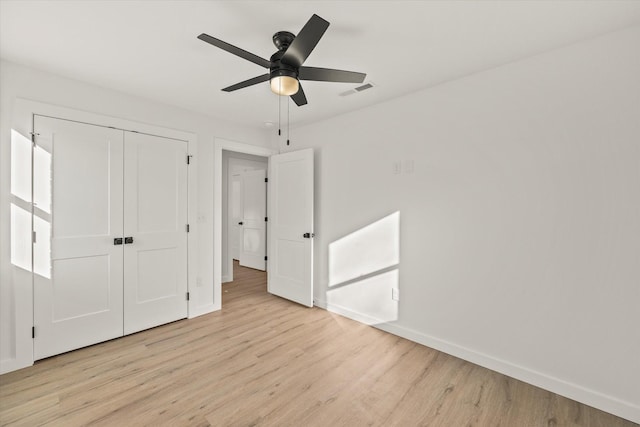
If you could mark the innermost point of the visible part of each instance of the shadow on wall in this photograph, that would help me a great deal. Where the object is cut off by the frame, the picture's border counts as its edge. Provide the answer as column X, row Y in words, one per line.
column 364, row 271
column 24, row 190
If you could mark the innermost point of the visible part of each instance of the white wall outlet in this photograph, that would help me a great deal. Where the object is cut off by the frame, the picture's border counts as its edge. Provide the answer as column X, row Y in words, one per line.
column 395, row 294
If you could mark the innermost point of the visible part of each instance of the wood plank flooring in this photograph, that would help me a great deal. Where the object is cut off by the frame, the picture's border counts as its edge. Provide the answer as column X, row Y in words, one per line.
column 262, row 360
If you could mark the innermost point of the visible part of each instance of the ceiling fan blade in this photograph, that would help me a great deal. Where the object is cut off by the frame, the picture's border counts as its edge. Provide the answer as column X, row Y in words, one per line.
column 329, row 75
column 307, row 39
column 247, row 83
column 299, row 98
column 235, row 50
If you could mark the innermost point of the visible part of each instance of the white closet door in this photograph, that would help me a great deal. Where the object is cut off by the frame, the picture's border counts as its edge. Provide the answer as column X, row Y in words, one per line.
column 155, row 219
column 81, row 302
column 253, row 245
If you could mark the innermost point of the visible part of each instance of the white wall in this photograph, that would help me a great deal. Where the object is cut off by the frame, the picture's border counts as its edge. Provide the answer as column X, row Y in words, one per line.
column 21, row 82
column 233, row 162
column 519, row 226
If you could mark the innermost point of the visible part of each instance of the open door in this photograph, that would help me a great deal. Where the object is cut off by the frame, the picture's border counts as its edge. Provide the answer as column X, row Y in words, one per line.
column 290, row 272
column 253, row 232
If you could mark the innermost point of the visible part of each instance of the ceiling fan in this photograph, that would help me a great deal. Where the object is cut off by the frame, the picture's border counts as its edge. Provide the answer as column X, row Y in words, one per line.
column 285, row 66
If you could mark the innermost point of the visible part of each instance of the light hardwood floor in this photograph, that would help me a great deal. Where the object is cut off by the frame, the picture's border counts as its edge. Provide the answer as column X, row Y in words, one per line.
column 265, row 361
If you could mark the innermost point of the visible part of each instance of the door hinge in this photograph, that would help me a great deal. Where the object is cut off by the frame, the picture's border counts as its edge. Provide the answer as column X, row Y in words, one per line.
column 187, row 296
column 266, row 219
column 188, row 228
column 266, row 180
column 33, row 237
column 189, row 159
column 265, row 257
column 33, row 137
column 33, row 332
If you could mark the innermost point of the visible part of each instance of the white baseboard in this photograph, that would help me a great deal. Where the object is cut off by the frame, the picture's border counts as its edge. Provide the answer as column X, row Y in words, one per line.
column 9, row 365
column 573, row 391
column 226, row 279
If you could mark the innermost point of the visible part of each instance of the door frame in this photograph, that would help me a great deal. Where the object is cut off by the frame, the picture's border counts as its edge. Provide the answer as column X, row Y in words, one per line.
column 219, row 145
column 24, row 111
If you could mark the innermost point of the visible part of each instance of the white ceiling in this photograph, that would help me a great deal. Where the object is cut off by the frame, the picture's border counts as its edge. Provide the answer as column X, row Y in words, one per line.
column 149, row 48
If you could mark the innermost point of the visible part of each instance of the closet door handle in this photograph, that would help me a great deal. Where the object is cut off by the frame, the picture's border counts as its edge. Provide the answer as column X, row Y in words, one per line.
column 128, row 240
column 117, row 241
column 240, row 223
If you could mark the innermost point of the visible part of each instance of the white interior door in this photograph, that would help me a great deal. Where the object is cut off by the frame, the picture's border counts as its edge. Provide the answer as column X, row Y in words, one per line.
column 290, row 272
column 81, row 302
column 235, row 213
column 253, row 245
column 155, row 221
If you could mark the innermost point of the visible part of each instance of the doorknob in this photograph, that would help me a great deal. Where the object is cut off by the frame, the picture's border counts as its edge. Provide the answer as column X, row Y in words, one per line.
column 128, row 240
column 117, row 241
column 240, row 223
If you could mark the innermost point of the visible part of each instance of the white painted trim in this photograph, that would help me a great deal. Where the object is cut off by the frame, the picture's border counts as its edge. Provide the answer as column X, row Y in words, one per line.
column 567, row 389
column 227, row 278
column 23, row 106
column 21, row 122
column 23, row 301
column 342, row 311
column 239, row 147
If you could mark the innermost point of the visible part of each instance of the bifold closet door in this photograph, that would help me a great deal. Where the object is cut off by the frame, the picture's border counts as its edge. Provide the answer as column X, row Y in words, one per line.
column 80, row 303
column 155, row 231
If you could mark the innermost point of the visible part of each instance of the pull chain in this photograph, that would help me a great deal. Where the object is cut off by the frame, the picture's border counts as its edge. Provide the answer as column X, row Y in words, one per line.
column 288, row 118
column 279, row 104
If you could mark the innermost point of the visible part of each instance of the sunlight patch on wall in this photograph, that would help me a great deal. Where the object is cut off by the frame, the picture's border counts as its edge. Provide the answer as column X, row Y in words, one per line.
column 42, row 179
column 20, row 166
column 42, row 247
column 365, row 251
column 364, row 273
column 20, row 237
column 370, row 299
column 25, row 252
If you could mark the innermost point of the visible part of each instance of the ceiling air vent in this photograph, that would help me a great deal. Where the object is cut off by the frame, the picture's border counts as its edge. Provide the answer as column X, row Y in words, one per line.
column 358, row 89
column 364, row 87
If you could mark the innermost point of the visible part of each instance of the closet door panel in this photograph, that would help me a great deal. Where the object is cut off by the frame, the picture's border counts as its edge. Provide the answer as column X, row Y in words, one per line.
column 155, row 219
column 79, row 301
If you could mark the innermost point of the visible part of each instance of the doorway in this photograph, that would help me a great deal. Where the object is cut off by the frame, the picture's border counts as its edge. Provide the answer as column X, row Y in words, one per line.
column 244, row 193
column 290, row 221
column 220, row 209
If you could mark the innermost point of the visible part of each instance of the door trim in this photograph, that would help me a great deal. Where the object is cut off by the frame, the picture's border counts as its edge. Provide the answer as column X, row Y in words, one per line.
column 239, row 147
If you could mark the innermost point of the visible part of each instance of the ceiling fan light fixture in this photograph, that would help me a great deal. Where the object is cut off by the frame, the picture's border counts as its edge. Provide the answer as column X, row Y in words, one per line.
column 284, row 85
column 286, row 65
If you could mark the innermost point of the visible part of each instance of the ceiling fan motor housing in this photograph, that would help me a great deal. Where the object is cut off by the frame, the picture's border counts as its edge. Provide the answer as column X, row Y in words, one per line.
column 279, row 68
